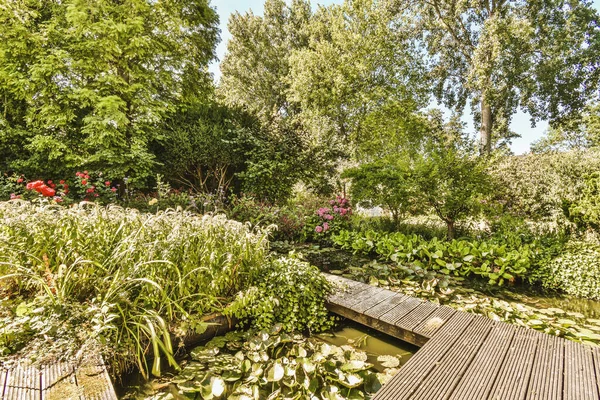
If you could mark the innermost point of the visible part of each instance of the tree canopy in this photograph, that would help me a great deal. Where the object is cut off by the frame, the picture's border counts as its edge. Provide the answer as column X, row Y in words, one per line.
column 539, row 56
column 85, row 83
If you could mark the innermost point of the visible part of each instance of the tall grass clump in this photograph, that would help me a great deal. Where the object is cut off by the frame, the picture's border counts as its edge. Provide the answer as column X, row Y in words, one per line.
column 89, row 278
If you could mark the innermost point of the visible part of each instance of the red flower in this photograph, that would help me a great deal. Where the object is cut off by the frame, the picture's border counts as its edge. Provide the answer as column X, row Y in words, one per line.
column 66, row 186
column 47, row 192
column 20, row 180
column 96, row 194
column 49, row 182
column 85, row 172
column 86, row 176
column 35, row 185
column 66, row 191
column 113, row 189
column 58, row 199
column 107, row 183
column 62, row 182
column 84, row 182
column 90, row 190
column 53, row 186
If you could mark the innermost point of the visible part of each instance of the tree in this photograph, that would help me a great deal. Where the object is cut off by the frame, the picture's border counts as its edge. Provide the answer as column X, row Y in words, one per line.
column 256, row 67
column 360, row 70
column 202, row 147
column 539, row 56
column 386, row 182
column 85, row 83
column 452, row 182
column 580, row 133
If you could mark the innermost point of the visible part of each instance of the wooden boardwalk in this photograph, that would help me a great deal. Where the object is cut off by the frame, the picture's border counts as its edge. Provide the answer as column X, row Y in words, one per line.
column 466, row 356
column 60, row 381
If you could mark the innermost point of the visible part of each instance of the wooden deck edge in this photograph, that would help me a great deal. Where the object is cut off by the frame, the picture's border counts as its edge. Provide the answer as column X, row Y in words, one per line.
column 382, row 326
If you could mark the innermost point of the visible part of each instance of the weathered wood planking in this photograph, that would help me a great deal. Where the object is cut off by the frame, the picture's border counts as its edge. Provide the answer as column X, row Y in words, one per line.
column 469, row 357
column 58, row 381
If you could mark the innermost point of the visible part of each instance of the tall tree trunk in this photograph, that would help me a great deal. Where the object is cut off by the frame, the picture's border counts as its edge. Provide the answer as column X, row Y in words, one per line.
column 485, row 131
column 451, row 229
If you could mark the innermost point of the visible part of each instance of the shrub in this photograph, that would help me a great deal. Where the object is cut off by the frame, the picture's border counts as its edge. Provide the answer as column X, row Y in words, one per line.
column 124, row 281
column 585, row 212
column 576, row 271
column 534, row 186
column 328, row 220
column 289, row 292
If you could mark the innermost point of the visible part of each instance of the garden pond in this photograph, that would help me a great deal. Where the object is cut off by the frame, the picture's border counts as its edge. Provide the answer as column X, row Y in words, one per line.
column 566, row 316
column 351, row 360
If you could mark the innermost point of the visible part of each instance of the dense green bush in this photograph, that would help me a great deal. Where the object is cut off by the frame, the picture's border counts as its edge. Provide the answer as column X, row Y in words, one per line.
column 585, row 212
column 289, row 292
column 123, row 281
column 576, row 271
column 534, row 186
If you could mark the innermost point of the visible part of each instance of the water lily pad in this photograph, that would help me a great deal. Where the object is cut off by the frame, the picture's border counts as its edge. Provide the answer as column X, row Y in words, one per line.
column 388, row 361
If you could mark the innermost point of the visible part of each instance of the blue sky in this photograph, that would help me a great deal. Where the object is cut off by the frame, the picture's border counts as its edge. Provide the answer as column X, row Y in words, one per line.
column 519, row 124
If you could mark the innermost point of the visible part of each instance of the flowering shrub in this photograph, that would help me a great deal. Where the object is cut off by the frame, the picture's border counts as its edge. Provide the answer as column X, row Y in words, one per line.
column 329, row 220
column 86, row 187
column 92, row 187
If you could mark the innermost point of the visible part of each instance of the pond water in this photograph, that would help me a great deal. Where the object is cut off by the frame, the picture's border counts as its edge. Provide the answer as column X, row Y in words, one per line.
column 586, row 307
column 372, row 342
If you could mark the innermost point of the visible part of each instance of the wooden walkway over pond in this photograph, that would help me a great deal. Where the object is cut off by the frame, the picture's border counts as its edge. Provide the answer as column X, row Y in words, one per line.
column 466, row 356
column 59, row 381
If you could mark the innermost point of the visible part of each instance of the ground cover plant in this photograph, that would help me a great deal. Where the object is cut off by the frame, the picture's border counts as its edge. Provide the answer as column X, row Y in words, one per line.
column 89, row 278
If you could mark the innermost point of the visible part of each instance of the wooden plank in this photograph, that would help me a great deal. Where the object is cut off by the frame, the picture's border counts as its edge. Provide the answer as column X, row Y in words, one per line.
column 374, row 300
column 546, row 380
column 3, row 379
column 420, row 364
column 414, row 318
column 360, row 297
column 94, row 381
column 478, row 379
column 580, row 375
column 435, row 321
column 345, row 289
column 60, row 383
column 596, row 354
column 386, row 305
column 513, row 378
column 445, row 374
column 400, row 310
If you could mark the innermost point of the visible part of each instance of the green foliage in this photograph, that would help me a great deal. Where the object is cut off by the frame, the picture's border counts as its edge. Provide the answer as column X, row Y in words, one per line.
column 445, row 177
column 203, row 146
column 125, row 281
column 505, row 56
column 534, row 186
column 495, row 262
column 575, row 271
column 585, row 212
column 360, row 78
column 454, row 186
column 289, row 292
column 385, row 182
column 278, row 365
column 579, row 133
column 84, row 83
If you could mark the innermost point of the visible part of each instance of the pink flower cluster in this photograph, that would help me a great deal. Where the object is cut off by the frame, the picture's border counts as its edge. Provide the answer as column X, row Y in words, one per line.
column 340, row 206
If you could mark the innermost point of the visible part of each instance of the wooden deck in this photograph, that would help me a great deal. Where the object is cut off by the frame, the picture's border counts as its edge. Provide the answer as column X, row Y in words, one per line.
column 60, row 381
column 466, row 356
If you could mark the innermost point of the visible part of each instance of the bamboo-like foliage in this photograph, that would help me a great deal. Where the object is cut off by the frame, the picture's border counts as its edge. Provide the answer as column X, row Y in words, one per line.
column 142, row 276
